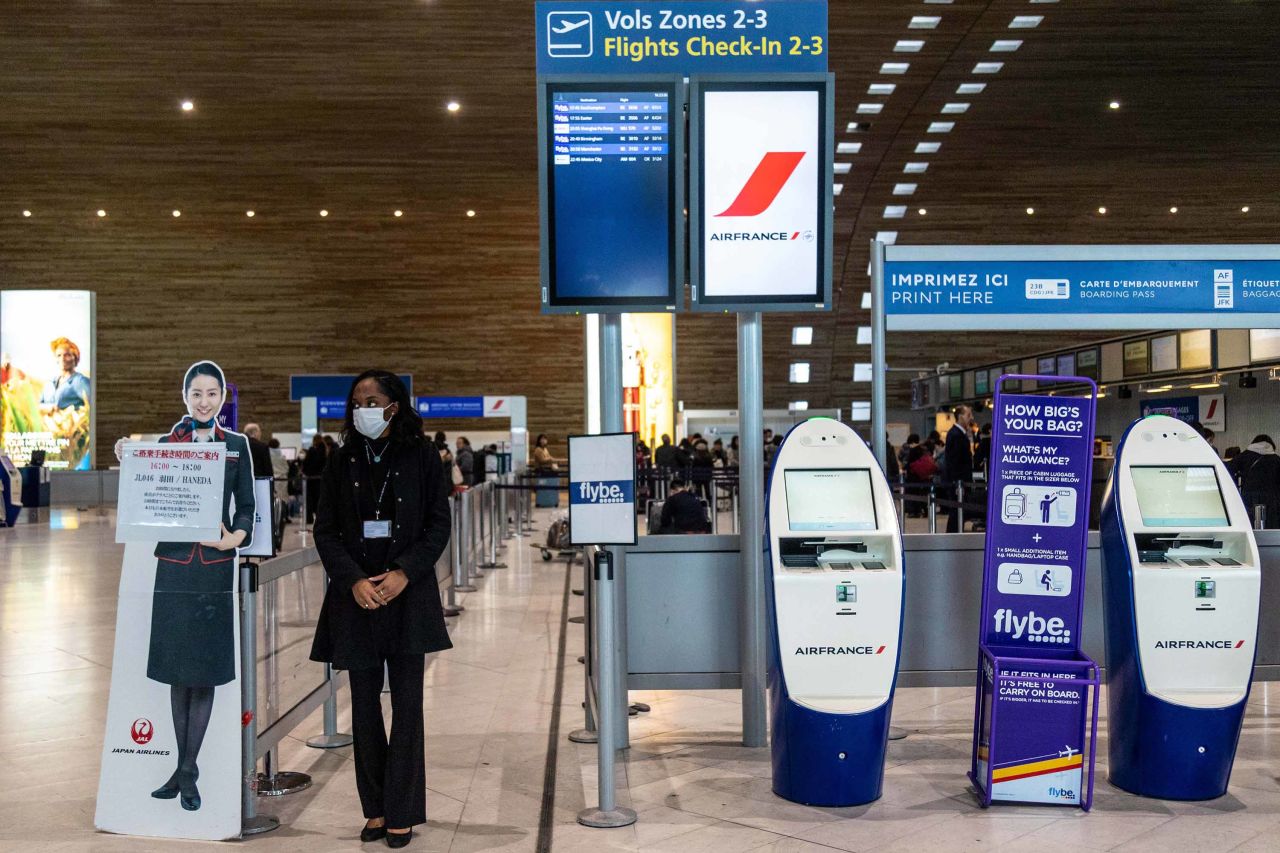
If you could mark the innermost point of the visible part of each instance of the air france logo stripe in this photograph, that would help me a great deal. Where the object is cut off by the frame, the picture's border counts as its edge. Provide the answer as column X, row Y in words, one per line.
column 755, row 197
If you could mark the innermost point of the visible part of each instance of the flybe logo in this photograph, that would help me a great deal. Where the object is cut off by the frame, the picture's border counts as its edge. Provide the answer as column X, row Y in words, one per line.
column 602, row 492
column 1036, row 629
column 760, row 190
column 1199, row 644
column 840, row 650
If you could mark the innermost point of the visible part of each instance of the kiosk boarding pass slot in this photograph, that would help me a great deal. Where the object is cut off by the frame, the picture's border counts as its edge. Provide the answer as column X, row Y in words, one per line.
column 1036, row 714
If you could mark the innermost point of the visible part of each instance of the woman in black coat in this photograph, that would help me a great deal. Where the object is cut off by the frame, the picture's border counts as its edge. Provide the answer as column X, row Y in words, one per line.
column 382, row 523
column 192, row 647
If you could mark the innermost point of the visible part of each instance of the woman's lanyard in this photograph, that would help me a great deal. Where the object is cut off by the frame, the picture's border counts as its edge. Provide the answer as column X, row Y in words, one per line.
column 377, row 528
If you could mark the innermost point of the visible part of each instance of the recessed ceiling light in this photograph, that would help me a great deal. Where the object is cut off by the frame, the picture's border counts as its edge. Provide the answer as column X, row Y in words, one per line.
column 1005, row 45
column 26, row 213
column 841, row 168
column 894, row 67
column 908, row 45
column 887, row 237
column 249, row 213
column 177, row 213
column 1173, row 209
column 1244, row 209
column 101, row 213
column 881, row 88
column 928, row 147
column 904, row 189
column 836, row 189
column 1031, row 211
column 798, row 406
column 799, row 372
column 954, row 108
column 870, row 109
column 324, row 213
column 471, row 213
column 848, row 147
column 924, row 22
column 398, row 214
column 922, row 211
column 915, row 168
column 970, row 88
column 857, row 127
column 866, row 302
column 1102, row 211
column 188, row 106
column 1025, row 22
column 941, row 126
column 895, row 211
column 801, row 336
column 987, row 67
column 453, row 106
column 1115, row 105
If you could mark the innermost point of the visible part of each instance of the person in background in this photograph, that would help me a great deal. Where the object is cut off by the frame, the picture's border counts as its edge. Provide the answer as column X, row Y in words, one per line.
column 70, row 389
column 1257, row 475
column 465, row 459
column 982, row 451
column 279, row 473
column 701, row 465
column 383, row 523
column 912, row 441
column 957, row 457
column 771, row 449
column 1209, row 436
column 733, row 453
column 683, row 512
column 892, row 470
column 935, row 445
column 329, row 446
column 684, row 452
column 543, row 461
column 258, row 451
column 718, row 454
column 312, row 467
column 665, row 455
column 921, row 470
column 642, row 454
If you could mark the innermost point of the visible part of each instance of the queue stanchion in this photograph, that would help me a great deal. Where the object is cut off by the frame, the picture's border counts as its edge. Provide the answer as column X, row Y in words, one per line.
column 959, row 506
column 504, row 523
column 933, row 509
column 467, row 539
column 490, row 504
column 273, row 782
column 251, row 823
column 460, row 581
column 330, row 738
column 589, row 733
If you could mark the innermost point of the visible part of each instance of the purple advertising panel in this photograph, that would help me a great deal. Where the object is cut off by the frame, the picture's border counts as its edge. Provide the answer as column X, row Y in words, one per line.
column 1031, row 744
column 229, row 416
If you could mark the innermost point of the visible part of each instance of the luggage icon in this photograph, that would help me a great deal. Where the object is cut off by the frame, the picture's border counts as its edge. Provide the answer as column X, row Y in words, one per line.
column 1015, row 503
column 1015, row 576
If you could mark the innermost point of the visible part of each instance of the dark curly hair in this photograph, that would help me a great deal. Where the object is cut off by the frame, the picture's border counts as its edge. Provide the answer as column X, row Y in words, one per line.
column 406, row 423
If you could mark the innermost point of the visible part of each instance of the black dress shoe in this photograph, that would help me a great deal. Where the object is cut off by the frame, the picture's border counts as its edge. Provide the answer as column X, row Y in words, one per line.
column 190, row 793
column 372, row 833
column 168, row 790
column 399, row 839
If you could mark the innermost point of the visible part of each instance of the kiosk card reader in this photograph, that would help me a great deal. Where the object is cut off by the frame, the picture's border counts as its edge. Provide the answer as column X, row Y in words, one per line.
column 1181, row 580
column 835, row 592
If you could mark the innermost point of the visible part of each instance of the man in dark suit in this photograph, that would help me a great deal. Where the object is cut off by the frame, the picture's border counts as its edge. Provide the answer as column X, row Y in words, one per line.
column 957, row 460
column 683, row 512
column 258, row 452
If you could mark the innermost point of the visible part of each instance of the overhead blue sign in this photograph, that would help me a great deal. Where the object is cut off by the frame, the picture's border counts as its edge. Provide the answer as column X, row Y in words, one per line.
column 331, row 407
column 930, row 288
column 450, row 407
column 330, row 385
column 695, row 36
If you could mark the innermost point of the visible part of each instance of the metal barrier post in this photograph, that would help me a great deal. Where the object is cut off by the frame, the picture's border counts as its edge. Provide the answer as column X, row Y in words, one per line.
column 959, row 506
column 588, row 733
column 902, row 511
column 490, row 504
column 933, row 511
column 469, row 538
column 273, row 782
column 330, row 738
column 460, row 581
column 608, row 813
column 504, row 523
column 252, row 823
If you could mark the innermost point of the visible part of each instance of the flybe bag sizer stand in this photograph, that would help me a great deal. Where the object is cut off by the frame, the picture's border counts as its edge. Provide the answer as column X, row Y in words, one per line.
column 1181, row 580
column 1037, row 691
column 835, row 595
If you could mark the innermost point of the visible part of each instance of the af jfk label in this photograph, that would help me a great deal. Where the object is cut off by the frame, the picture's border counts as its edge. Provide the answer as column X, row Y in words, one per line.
column 1042, row 449
column 602, row 478
column 170, row 492
column 681, row 36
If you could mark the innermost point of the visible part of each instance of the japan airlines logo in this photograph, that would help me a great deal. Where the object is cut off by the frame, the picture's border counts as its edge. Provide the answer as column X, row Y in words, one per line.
column 755, row 197
column 142, row 731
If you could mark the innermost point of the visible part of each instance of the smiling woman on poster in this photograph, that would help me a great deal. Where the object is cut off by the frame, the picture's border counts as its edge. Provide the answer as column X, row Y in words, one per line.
column 70, row 389
column 192, row 647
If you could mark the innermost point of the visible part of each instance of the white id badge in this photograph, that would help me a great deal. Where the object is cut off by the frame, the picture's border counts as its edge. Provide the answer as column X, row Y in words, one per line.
column 377, row 530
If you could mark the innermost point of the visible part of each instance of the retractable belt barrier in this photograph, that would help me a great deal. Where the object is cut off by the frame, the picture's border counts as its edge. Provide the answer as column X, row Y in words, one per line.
column 280, row 602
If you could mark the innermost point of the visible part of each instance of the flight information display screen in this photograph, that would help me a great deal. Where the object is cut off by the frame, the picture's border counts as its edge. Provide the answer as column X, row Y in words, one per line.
column 611, row 203
column 830, row 499
column 1179, row 496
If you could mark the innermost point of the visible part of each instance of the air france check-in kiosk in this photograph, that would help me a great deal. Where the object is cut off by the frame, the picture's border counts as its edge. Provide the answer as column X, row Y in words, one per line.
column 1182, row 582
column 835, row 596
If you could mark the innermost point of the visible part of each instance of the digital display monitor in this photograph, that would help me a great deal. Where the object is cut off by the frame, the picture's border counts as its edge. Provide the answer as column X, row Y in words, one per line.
column 762, row 194
column 1087, row 364
column 612, row 194
column 1046, row 366
column 1136, row 355
column 1179, row 496
column 982, row 382
column 830, row 499
column 1067, row 364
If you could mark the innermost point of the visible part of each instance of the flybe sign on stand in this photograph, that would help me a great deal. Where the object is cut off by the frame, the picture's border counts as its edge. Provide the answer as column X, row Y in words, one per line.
column 602, row 489
column 695, row 36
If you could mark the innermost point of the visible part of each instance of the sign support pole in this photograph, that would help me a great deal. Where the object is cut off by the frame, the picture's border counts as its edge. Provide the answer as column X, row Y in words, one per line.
column 615, row 691
column 751, row 507
column 879, row 419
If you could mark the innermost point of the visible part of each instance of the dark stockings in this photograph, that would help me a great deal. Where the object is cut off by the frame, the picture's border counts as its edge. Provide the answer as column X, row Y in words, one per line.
column 192, row 707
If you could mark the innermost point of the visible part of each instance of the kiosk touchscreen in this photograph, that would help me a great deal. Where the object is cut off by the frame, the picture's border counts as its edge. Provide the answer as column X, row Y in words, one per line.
column 835, row 594
column 1181, row 580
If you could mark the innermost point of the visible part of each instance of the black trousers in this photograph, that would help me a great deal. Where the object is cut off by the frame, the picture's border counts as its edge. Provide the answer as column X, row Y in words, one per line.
column 391, row 777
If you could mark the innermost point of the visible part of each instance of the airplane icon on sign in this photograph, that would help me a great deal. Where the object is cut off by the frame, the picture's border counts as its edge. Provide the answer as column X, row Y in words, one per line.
column 569, row 34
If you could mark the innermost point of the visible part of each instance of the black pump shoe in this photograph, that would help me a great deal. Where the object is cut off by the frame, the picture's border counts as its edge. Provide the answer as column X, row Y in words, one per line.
column 398, row 839
column 168, row 790
column 190, row 793
column 373, row 833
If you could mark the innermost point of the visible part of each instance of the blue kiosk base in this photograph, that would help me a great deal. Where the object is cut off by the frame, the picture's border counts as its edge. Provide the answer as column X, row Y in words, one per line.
column 829, row 760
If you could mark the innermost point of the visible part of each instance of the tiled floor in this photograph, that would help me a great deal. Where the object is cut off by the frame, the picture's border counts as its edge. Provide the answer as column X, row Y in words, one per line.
column 489, row 710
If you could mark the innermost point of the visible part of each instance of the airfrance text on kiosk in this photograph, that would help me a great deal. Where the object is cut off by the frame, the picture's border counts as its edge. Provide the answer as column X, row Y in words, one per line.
column 1181, row 581
column 835, row 593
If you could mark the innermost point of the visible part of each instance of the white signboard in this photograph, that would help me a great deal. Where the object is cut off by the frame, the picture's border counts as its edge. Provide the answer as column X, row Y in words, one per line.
column 262, row 544
column 1213, row 411
column 602, row 489
column 762, row 190
column 170, row 492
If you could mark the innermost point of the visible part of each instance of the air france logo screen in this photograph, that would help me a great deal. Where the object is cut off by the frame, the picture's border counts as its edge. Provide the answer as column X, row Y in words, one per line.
column 602, row 492
column 761, row 196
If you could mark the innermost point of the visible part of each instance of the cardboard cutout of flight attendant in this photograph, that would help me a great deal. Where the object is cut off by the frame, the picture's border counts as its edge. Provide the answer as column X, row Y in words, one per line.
column 171, row 754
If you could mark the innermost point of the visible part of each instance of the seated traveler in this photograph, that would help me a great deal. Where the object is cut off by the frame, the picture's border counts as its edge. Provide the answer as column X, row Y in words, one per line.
column 683, row 512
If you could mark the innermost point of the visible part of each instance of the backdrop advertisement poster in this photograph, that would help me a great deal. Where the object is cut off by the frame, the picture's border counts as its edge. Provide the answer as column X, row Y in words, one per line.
column 171, row 751
column 602, row 489
column 1033, row 703
column 46, row 376
column 648, row 388
column 1209, row 410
